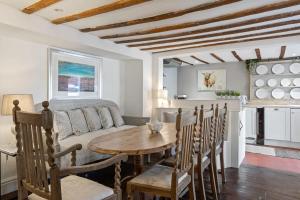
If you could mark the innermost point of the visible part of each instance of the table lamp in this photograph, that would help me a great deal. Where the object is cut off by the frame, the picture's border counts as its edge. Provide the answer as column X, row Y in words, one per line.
column 26, row 103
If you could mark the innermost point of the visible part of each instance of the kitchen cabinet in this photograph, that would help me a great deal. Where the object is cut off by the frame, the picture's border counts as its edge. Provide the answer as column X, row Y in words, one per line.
column 295, row 125
column 277, row 123
column 250, row 122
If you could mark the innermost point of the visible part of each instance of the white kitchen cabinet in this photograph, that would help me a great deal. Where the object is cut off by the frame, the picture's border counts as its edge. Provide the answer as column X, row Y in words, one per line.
column 277, row 124
column 250, row 122
column 295, row 125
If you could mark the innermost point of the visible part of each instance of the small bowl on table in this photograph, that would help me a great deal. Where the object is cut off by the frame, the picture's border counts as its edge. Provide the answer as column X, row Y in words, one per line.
column 155, row 127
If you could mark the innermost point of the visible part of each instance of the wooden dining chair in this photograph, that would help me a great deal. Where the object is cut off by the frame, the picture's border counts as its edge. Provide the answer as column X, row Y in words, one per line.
column 166, row 181
column 205, row 130
column 218, row 142
column 33, row 175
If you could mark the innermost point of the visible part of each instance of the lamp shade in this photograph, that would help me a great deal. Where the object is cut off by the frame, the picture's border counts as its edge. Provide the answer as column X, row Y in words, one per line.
column 25, row 103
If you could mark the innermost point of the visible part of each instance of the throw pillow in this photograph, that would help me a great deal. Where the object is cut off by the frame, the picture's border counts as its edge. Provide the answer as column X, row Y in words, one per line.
column 62, row 125
column 105, row 116
column 116, row 116
column 78, row 122
column 92, row 118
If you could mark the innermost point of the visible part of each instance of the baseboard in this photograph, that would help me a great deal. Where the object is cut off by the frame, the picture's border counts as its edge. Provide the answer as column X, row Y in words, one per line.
column 261, row 150
column 9, row 185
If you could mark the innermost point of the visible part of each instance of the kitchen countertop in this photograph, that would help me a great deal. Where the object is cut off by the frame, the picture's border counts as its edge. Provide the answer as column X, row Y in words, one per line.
column 272, row 104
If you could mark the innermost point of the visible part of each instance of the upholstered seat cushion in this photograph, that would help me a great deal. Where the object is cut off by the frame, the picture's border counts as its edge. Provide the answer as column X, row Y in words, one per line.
column 158, row 176
column 78, row 188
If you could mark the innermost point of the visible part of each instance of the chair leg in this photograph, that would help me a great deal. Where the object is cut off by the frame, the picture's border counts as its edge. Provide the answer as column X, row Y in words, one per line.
column 201, row 184
column 130, row 195
column 215, row 171
column 192, row 194
column 213, row 181
column 222, row 167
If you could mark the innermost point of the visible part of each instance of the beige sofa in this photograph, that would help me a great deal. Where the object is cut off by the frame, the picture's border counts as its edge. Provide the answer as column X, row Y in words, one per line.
column 85, row 155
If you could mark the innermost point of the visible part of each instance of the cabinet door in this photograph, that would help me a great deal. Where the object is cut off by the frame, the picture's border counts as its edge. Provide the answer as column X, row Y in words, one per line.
column 250, row 122
column 277, row 123
column 295, row 125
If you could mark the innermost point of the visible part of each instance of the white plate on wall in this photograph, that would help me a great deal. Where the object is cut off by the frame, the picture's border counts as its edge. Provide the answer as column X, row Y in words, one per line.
column 295, row 93
column 278, row 69
column 278, row 93
column 259, row 83
column 261, row 69
column 295, row 68
column 285, row 82
column 272, row 82
column 296, row 81
column 261, row 93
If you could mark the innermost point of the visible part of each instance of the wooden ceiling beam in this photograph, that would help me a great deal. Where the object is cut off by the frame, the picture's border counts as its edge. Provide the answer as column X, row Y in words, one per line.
column 272, row 25
column 164, row 16
column 243, row 13
column 225, row 39
column 232, row 42
column 282, row 52
column 217, row 57
column 234, row 53
column 182, row 61
column 257, row 52
column 38, row 6
column 200, row 60
column 215, row 28
column 99, row 10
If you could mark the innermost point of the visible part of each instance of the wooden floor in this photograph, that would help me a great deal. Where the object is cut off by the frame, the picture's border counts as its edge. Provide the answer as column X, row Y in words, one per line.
column 256, row 179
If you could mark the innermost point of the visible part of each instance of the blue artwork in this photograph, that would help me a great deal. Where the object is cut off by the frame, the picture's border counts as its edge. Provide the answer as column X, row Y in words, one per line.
column 75, row 77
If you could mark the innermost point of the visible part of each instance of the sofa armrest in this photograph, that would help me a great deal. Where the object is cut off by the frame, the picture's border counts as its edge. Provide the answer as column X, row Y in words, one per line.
column 136, row 121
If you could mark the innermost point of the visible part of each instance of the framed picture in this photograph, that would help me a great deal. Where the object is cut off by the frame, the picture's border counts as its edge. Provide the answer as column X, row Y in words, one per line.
column 73, row 75
column 212, row 79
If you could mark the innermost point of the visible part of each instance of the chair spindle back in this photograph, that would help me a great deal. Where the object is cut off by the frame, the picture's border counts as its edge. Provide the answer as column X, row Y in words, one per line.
column 220, row 123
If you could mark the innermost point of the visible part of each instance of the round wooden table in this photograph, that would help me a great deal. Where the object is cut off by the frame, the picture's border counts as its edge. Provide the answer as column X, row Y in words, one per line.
column 137, row 141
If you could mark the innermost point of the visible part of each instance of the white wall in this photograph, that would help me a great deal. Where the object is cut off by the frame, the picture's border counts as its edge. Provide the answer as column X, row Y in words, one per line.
column 23, row 69
column 170, row 81
column 236, row 74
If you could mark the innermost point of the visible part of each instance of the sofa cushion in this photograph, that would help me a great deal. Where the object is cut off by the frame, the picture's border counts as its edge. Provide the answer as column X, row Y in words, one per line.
column 116, row 116
column 105, row 116
column 78, row 122
column 62, row 124
column 92, row 118
column 85, row 155
column 78, row 188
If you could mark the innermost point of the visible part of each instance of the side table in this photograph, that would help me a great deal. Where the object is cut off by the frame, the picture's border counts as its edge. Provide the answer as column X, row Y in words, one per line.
column 8, row 150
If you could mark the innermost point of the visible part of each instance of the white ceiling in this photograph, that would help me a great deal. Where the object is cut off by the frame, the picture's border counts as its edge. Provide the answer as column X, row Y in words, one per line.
column 156, row 7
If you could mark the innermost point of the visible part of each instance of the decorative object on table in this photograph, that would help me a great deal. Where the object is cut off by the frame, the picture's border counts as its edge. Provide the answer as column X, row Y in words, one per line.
column 155, row 126
column 73, row 75
column 286, row 82
column 26, row 101
column 181, row 96
column 211, row 79
column 278, row 69
column 278, row 93
column 262, row 69
column 295, row 93
column 259, row 83
column 295, row 68
column 272, row 82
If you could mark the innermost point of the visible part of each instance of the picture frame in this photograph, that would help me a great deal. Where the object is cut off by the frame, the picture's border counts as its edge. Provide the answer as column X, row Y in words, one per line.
column 211, row 80
column 73, row 75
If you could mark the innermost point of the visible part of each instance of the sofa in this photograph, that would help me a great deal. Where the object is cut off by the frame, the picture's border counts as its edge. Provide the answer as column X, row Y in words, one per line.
column 81, row 134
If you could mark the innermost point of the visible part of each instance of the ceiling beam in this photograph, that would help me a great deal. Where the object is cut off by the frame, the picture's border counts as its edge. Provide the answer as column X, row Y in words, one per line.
column 214, row 28
column 272, row 25
column 164, row 16
column 200, row 60
column 99, row 10
column 38, row 6
column 182, row 61
column 234, row 53
column 243, row 13
column 225, row 39
column 217, row 57
column 257, row 52
column 233, row 42
column 282, row 52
